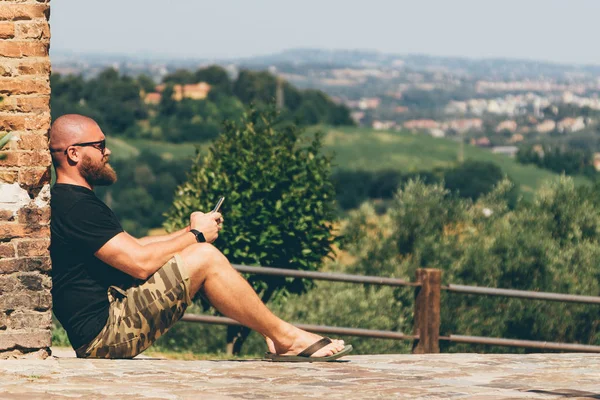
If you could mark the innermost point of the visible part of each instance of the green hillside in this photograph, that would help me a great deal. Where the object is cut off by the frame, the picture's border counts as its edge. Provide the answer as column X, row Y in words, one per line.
column 366, row 149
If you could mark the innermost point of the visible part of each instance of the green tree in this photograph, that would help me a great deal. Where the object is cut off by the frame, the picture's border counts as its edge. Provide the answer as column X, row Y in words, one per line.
column 217, row 77
column 473, row 178
column 255, row 87
column 146, row 83
column 181, row 77
column 549, row 245
column 279, row 204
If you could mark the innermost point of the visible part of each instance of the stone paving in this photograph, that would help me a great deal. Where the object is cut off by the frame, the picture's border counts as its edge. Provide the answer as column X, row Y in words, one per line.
column 440, row 376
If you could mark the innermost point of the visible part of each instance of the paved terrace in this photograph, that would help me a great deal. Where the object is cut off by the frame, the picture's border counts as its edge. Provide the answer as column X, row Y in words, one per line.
column 441, row 376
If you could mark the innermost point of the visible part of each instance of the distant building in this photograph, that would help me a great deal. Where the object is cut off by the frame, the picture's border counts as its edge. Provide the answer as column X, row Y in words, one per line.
column 464, row 125
column 421, row 124
column 481, row 142
column 568, row 125
column 596, row 161
column 437, row 133
column 152, row 98
column 539, row 150
column 510, row 151
column 369, row 103
column 508, row 125
column 196, row 91
column 383, row 125
column 516, row 138
column 546, row 126
column 357, row 116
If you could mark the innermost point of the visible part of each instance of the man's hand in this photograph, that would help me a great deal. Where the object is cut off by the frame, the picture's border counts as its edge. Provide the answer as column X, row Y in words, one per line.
column 208, row 224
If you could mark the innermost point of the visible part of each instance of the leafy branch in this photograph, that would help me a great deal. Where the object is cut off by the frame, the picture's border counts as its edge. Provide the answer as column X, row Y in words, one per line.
column 3, row 141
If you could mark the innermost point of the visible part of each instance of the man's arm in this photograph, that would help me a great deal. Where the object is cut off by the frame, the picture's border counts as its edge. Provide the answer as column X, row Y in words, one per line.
column 126, row 254
column 161, row 238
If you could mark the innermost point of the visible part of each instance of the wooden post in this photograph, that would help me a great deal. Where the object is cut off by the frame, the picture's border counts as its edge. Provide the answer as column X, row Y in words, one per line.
column 427, row 311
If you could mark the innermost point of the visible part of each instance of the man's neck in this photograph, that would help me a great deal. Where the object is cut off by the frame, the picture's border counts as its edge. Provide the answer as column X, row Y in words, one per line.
column 73, row 181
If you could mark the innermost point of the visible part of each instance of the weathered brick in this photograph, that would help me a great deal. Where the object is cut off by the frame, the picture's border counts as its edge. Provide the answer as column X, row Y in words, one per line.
column 7, row 250
column 31, row 281
column 32, row 141
column 32, row 30
column 32, row 248
column 7, row 215
column 26, row 159
column 28, row 320
column 24, row 264
column 18, row 122
column 25, row 104
column 34, row 177
column 34, row 68
column 7, row 30
column 34, row 215
column 8, row 176
column 7, row 70
column 11, row 159
column 24, row 86
column 23, row 49
column 26, row 300
column 8, row 283
column 12, row 265
column 19, row 12
column 9, row 231
column 35, row 159
column 25, row 339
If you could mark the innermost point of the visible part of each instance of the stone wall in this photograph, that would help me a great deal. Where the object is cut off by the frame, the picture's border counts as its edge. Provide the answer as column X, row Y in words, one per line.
column 25, row 300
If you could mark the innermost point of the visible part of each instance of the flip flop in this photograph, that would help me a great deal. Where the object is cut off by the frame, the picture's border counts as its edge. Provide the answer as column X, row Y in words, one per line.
column 305, row 355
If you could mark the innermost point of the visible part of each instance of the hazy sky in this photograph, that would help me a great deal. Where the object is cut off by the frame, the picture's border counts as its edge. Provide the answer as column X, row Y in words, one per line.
column 563, row 31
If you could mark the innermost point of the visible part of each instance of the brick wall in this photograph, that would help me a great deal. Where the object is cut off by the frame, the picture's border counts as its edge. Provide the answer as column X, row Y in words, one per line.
column 25, row 300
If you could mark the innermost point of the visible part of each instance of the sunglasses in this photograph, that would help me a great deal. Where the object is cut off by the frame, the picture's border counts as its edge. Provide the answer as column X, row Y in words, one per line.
column 100, row 145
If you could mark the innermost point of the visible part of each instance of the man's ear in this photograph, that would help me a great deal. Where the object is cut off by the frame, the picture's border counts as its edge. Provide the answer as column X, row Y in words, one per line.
column 72, row 155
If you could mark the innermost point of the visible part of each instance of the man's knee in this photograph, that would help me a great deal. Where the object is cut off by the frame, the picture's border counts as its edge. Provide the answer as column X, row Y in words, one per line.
column 201, row 257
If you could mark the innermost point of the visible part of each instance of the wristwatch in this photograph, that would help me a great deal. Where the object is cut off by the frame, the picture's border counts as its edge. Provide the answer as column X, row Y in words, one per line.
column 199, row 235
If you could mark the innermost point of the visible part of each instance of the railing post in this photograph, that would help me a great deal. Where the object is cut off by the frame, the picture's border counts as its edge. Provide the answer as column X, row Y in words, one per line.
column 427, row 311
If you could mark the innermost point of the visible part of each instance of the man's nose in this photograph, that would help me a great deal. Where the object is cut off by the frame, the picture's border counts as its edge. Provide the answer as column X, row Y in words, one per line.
column 107, row 151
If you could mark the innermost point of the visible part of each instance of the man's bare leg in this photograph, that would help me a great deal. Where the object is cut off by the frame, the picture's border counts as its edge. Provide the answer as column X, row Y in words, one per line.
column 231, row 294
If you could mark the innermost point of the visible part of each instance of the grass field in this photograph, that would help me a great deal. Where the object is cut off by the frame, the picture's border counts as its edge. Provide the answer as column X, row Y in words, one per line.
column 125, row 148
column 366, row 149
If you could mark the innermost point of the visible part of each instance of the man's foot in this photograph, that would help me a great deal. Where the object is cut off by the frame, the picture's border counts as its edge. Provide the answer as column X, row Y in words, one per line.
column 300, row 340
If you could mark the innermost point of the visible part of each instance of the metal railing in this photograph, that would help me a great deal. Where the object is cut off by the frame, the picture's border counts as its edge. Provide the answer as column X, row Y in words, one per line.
column 426, row 330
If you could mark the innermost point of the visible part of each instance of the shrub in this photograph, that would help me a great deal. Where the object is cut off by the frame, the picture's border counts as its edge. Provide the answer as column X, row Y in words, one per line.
column 279, row 205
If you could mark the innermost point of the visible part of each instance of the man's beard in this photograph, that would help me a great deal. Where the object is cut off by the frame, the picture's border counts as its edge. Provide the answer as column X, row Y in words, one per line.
column 101, row 174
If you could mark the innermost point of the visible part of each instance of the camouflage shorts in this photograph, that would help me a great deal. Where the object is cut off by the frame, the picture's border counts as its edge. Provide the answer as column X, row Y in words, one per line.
column 141, row 314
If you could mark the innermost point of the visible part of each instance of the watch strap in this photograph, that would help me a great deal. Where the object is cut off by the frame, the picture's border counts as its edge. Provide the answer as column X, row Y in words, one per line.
column 199, row 235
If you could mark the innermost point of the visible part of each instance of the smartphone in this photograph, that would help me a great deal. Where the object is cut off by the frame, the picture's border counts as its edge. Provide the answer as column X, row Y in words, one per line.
column 218, row 206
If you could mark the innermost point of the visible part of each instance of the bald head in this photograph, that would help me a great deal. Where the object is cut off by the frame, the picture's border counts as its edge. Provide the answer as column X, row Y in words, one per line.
column 69, row 129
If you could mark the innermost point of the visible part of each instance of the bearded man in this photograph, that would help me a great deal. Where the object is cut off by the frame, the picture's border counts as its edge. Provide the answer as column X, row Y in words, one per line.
column 115, row 294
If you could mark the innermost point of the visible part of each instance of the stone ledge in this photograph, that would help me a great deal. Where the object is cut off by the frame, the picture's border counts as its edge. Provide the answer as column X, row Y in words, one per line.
column 440, row 376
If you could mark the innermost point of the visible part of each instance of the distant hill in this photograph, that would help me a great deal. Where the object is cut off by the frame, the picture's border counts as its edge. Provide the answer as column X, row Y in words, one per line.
column 483, row 67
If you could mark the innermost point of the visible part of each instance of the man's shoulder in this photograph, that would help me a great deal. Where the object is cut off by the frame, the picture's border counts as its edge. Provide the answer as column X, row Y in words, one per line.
column 69, row 198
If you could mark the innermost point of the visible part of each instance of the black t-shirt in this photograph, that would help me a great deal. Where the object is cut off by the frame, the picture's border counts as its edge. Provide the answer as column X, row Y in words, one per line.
column 80, row 225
